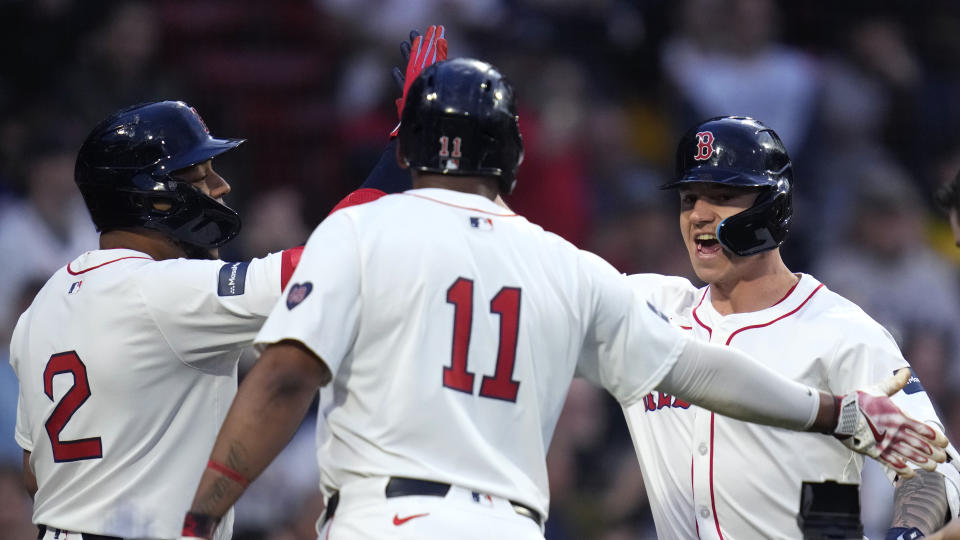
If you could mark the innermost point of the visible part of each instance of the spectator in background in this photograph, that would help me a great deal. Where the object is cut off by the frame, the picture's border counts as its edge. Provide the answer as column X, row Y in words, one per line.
column 867, row 84
column 725, row 60
column 885, row 264
column 118, row 63
column 275, row 222
column 555, row 191
column 46, row 228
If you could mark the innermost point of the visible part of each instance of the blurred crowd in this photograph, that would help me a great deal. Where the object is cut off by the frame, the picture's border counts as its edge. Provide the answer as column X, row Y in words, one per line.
column 866, row 98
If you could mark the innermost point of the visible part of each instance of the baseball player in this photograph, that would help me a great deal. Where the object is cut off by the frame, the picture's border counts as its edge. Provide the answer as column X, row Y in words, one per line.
column 708, row 476
column 449, row 329
column 127, row 358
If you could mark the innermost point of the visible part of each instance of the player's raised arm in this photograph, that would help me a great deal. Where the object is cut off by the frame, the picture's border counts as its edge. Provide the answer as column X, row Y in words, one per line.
column 865, row 421
column 387, row 176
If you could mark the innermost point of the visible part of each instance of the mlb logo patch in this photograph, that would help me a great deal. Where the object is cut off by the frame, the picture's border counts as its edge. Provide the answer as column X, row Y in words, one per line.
column 298, row 293
column 481, row 223
column 75, row 287
column 482, row 498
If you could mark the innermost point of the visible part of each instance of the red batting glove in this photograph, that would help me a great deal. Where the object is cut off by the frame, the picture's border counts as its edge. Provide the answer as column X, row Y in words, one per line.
column 870, row 423
column 198, row 526
column 421, row 52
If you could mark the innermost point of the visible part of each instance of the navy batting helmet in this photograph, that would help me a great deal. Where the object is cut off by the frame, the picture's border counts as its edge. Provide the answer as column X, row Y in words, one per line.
column 741, row 151
column 124, row 172
column 460, row 118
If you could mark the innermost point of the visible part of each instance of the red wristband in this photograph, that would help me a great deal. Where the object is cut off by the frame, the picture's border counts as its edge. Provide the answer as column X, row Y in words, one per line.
column 228, row 472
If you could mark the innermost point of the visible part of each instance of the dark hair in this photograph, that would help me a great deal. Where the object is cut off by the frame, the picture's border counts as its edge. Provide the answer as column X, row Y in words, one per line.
column 947, row 196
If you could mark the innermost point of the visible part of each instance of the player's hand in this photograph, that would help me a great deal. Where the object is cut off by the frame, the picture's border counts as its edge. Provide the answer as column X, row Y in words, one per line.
column 870, row 423
column 419, row 53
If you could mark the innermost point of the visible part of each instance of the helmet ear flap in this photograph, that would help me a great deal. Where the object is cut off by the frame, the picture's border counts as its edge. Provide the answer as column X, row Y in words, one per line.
column 762, row 227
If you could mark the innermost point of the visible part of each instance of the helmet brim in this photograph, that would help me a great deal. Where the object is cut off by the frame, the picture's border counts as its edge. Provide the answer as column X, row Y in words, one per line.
column 211, row 148
column 720, row 176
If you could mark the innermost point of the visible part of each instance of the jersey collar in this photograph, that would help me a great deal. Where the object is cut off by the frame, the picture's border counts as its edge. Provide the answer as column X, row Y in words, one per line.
column 807, row 287
column 469, row 201
column 100, row 257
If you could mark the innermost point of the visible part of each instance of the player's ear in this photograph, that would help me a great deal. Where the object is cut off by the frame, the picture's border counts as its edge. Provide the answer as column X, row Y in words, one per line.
column 400, row 160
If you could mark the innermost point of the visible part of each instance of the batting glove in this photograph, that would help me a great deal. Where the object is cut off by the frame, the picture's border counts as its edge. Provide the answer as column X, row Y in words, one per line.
column 870, row 423
column 198, row 526
column 419, row 53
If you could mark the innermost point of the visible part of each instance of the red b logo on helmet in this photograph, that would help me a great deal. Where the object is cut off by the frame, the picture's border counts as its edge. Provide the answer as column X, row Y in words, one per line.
column 704, row 146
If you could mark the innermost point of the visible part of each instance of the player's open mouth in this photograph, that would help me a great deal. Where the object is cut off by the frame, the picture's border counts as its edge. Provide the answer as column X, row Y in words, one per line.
column 707, row 244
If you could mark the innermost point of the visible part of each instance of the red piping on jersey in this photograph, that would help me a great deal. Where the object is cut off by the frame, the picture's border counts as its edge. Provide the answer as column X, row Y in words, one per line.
column 713, row 499
column 778, row 318
column 709, row 330
column 458, row 206
column 72, row 273
column 788, row 292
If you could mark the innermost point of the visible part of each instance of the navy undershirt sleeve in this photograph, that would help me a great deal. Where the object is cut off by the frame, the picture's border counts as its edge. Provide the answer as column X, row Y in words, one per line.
column 387, row 176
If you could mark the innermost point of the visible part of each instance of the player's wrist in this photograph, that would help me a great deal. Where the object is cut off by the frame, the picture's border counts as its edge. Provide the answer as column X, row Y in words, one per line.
column 828, row 415
column 198, row 526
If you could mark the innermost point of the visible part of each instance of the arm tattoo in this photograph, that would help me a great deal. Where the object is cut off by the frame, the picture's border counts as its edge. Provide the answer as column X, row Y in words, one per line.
column 209, row 503
column 920, row 502
column 223, row 488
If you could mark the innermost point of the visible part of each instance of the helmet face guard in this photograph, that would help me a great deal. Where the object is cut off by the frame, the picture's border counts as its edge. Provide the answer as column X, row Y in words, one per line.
column 460, row 119
column 124, row 173
column 741, row 152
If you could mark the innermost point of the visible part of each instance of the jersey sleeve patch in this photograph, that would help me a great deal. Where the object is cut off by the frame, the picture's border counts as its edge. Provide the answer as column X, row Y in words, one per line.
column 913, row 384
column 298, row 293
column 233, row 279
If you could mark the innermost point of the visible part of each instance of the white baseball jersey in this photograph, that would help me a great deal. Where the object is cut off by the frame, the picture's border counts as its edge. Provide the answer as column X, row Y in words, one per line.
column 127, row 367
column 453, row 329
column 709, row 476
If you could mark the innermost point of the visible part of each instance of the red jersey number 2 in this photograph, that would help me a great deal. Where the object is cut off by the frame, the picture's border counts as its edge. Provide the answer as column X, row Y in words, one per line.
column 456, row 376
column 76, row 450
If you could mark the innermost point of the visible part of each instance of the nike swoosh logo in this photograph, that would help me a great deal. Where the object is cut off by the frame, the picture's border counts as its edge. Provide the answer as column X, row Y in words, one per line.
column 397, row 520
column 877, row 435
